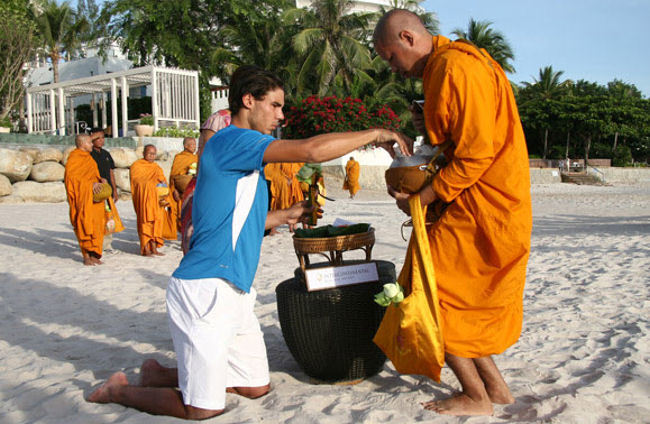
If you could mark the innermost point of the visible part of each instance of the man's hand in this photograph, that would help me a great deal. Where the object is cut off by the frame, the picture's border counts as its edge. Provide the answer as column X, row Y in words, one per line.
column 97, row 187
column 402, row 200
column 300, row 212
column 386, row 139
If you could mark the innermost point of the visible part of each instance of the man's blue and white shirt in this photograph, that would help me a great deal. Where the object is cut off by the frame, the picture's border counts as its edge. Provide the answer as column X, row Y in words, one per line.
column 229, row 209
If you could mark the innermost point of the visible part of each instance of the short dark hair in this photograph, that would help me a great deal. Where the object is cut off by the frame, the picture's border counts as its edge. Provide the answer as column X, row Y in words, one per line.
column 94, row 130
column 250, row 79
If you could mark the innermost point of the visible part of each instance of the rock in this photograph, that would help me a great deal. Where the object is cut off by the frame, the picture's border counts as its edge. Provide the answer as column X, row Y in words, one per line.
column 12, row 198
column 66, row 154
column 31, row 151
column 139, row 152
column 14, row 164
column 48, row 155
column 123, row 157
column 47, row 171
column 164, row 156
column 122, row 179
column 31, row 191
column 5, row 186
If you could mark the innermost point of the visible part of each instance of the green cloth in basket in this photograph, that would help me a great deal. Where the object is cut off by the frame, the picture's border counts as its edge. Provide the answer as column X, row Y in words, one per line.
column 332, row 231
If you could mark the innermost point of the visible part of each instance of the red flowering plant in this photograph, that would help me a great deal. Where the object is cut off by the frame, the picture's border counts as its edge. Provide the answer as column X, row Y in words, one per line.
column 318, row 115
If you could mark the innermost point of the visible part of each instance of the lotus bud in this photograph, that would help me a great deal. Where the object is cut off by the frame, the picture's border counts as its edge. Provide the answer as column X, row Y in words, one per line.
column 390, row 290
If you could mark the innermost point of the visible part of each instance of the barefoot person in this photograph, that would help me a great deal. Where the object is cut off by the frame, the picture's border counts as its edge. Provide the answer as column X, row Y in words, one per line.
column 217, row 338
column 481, row 243
column 88, row 218
column 181, row 165
column 152, row 210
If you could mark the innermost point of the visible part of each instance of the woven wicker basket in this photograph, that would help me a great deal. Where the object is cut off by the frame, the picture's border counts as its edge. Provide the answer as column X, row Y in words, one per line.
column 334, row 246
column 330, row 332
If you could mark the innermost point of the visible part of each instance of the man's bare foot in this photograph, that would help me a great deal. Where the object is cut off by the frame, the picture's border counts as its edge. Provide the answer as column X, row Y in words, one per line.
column 157, row 253
column 96, row 261
column 89, row 262
column 103, row 393
column 460, row 404
column 152, row 374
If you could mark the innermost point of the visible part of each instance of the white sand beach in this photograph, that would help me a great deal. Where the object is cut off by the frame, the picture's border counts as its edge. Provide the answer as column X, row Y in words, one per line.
column 583, row 355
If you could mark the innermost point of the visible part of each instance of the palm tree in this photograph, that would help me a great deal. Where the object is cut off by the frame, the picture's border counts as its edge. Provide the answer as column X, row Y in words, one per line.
column 480, row 33
column 331, row 45
column 61, row 31
column 546, row 89
column 429, row 19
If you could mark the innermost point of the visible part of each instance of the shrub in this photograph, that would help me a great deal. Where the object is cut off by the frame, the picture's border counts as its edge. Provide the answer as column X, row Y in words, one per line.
column 146, row 119
column 5, row 122
column 175, row 132
column 315, row 115
column 622, row 156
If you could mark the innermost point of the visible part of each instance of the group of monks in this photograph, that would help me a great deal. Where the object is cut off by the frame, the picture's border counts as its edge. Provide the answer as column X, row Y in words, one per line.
column 157, row 202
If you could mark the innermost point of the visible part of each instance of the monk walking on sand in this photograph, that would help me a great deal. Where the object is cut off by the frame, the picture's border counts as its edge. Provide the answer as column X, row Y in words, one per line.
column 181, row 166
column 88, row 218
column 481, row 243
column 351, row 182
column 152, row 209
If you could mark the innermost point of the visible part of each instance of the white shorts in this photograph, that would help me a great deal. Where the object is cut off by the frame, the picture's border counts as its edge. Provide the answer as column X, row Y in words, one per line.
column 217, row 339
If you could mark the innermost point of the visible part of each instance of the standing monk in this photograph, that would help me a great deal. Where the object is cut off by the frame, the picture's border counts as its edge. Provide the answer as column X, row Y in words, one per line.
column 105, row 165
column 181, row 166
column 481, row 243
column 150, row 207
column 88, row 218
column 351, row 182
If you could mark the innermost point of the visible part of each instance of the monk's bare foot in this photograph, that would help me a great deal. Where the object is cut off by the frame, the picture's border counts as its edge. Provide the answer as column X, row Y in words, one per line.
column 89, row 262
column 500, row 395
column 460, row 404
column 158, row 253
column 96, row 261
column 103, row 393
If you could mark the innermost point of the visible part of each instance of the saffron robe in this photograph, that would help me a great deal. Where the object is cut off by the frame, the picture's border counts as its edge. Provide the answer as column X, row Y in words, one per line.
column 351, row 182
column 154, row 221
column 180, row 166
column 480, row 245
column 88, row 218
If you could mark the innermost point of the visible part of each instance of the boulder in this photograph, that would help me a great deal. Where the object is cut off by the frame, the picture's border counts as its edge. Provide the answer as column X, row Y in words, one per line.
column 123, row 157
column 5, row 186
column 12, row 198
column 31, row 151
column 31, row 191
column 15, row 165
column 122, row 179
column 49, row 154
column 47, row 171
column 66, row 154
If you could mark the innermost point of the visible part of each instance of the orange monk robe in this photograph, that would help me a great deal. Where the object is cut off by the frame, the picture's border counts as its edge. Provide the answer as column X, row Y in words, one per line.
column 280, row 190
column 295, row 187
column 351, row 182
column 87, row 217
column 481, row 244
column 151, row 217
column 180, row 166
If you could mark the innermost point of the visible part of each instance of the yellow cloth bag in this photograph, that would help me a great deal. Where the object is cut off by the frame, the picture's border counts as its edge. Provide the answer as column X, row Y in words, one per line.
column 410, row 333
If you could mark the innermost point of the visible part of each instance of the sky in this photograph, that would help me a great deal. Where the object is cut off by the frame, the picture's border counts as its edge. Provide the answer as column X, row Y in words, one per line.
column 594, row 40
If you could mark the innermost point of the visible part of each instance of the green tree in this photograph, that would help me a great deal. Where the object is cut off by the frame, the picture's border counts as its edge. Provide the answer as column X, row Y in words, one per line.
column 331, row 46
column 61, row 31
column 480, row 33
column 16, row 48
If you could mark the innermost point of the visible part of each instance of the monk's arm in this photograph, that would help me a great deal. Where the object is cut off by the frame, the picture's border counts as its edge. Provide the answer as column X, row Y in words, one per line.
column 324, row 147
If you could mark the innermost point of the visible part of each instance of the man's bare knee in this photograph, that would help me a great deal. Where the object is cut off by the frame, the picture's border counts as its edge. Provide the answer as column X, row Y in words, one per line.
column 193, row 413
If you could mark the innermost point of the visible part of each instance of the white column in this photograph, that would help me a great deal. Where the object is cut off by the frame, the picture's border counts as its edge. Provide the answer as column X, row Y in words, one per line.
column 94, row 108
column 197, row 112
column 154, row 99
column 52, row 112
column 102, row 102
column 125, row 112
column 30, row 120
column 114, row 108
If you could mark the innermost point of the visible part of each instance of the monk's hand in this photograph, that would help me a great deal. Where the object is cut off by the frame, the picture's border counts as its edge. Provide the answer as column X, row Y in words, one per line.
column 401, row 199
column 418, row 119
column 386, row 139
column 176, row 195
column 97, row 187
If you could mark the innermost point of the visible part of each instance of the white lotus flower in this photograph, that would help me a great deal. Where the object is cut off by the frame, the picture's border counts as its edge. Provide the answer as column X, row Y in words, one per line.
column 391, row 290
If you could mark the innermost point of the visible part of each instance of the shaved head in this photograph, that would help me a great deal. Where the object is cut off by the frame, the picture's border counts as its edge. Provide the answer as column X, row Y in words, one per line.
column 83, row 142
column 393, row 22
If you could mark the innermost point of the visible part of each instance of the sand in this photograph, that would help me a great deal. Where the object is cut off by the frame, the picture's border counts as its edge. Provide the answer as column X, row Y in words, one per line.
column 583, row 356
